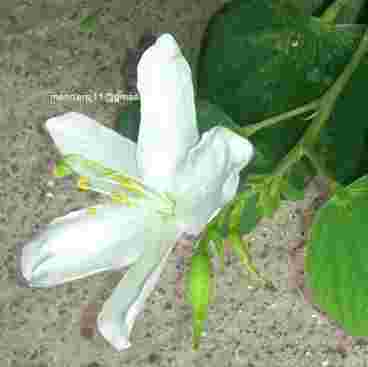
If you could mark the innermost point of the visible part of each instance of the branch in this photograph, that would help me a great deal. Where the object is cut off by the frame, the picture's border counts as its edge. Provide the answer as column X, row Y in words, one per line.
column 252, row 129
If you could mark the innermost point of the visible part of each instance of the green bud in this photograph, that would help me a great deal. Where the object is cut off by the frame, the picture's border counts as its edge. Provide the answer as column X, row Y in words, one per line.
column 62, row 169
column 199, row 292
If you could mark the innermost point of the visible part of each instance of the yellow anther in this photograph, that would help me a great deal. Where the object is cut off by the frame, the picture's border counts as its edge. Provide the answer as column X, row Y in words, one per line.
column 119, row 197
column 128, row 184
column 83, row 183
column 92, row 211
column 97, row 167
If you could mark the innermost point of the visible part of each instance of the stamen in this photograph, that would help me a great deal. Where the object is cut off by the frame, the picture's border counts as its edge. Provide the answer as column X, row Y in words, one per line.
column 96, row 177
column 120, row 197
column 129, row 184
column 92, row 211
column 83, row 183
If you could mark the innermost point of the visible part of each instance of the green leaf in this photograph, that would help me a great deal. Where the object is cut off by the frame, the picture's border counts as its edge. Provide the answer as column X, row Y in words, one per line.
column 307, row 7
column 261, row 58
column 128, row 121
column 245, row 213
column 250, row 214
column 210, row 115
column 350, row 12
column 199, row 292
column 337, row 254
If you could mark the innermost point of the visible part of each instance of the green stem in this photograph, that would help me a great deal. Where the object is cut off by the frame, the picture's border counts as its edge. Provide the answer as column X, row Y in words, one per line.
column 320, row 167
column 252, row 129
column 327, row 104
column 316, row 162
column 331, row 13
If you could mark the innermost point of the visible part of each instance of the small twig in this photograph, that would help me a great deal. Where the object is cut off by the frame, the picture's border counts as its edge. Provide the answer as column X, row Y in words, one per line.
column 253, row 128
column 331, row 13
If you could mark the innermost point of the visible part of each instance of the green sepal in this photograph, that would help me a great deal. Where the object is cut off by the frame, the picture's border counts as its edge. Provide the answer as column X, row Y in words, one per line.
column 240, row 246
column 62, row 169
column 96, row 168
column 235, row 215
column 268, row 188
column 200, row 289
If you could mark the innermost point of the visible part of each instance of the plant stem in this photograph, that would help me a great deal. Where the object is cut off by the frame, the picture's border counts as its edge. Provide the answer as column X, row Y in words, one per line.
column 316, row 161
column 321, row 168
column 331, row 13
column 252, row 129
column 327, row 104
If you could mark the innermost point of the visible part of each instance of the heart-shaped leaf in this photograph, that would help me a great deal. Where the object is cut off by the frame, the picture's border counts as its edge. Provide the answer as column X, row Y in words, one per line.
column 261, row 58
column 337, row 258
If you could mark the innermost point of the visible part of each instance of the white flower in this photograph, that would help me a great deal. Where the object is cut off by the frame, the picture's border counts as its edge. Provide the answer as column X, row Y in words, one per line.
column 169, row 184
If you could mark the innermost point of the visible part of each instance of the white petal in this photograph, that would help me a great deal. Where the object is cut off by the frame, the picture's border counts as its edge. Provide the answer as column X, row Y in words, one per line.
column 75, row 133
column 119, row 312
column 81, row 244
column 168, row 125
column 210, row 177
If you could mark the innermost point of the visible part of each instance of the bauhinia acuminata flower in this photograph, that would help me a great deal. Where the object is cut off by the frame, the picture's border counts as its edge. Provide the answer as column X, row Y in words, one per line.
column 171, row 183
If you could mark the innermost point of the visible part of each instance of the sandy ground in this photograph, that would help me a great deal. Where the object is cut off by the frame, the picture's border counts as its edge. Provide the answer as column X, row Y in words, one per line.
column 42, row 52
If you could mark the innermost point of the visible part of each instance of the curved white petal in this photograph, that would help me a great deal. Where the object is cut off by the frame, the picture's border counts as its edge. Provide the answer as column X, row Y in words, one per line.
column 168, row 125
column 75, row 133
column 119, row 312
column 210, row 176
column 81, row 244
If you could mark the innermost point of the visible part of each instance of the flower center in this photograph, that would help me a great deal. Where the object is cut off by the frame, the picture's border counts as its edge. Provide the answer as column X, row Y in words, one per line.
column 119, row 187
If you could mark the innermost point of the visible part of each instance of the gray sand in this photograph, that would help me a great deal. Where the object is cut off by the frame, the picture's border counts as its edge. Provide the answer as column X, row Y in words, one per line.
column 43, row 52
